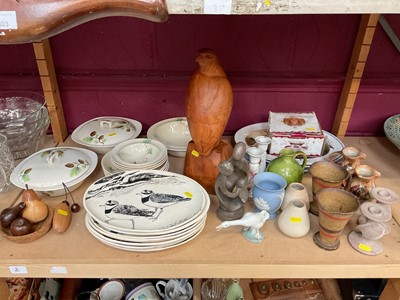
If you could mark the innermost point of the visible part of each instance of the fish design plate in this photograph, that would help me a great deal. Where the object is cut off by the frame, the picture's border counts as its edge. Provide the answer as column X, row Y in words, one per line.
column 146, row 201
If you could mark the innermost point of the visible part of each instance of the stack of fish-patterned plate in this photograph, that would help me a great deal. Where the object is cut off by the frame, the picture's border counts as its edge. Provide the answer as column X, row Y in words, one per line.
column 136, row 154
column 145, row 210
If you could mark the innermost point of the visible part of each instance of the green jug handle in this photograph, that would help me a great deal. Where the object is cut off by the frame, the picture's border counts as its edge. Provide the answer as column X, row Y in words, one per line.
column 300, row 153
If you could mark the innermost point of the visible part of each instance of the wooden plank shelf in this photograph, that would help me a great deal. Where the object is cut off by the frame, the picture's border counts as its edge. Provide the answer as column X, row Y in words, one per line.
column 223, row 254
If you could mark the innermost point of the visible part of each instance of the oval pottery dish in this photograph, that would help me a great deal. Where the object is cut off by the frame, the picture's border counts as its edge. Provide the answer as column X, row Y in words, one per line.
column 45, row 171
column 40, row 229
column 103, row 133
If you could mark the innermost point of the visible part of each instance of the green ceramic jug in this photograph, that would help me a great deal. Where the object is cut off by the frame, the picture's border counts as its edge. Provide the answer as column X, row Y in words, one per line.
column 287, row 166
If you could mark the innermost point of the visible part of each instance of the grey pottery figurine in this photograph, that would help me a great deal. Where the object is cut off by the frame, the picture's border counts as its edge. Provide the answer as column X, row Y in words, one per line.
column 231, row 184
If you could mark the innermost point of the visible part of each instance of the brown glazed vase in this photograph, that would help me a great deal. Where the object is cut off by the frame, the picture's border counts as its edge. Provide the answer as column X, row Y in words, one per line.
column 336, row 206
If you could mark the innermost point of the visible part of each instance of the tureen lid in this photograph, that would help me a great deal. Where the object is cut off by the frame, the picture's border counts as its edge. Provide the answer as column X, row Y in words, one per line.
column 50, row 168
column 106, row 131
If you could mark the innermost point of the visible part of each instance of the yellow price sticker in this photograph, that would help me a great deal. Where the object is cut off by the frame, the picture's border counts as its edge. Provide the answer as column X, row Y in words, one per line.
column 295, row 219
column 195, row 153
column 188, row 194
column 310, row 128
column 112, row 134
column 62, row 212
column 267, row 2
column 364, row 247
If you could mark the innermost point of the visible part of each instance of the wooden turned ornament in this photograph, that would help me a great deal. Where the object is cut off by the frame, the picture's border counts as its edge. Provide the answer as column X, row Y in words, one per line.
column 208, row 106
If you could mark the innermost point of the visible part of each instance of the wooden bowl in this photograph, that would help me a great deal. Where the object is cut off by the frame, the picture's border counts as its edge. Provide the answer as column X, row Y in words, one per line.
column 39, row 230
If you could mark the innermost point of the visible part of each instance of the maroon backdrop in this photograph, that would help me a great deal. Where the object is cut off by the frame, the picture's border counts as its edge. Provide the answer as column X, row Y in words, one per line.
column 139, row 69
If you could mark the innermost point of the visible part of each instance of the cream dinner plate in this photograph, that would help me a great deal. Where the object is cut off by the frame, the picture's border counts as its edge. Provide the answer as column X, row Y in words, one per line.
column 146, row 201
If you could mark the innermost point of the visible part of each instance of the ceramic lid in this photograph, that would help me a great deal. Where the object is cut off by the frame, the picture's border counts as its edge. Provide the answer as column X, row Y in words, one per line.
column 106, row 131
column 49, row 168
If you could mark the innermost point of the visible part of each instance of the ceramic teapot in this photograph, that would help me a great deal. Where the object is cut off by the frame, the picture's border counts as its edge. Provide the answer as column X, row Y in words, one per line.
column 287, row 166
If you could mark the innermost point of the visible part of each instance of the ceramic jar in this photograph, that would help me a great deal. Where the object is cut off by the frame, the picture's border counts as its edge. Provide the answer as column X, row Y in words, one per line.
column 352, row 157
column 294, row 221
column 295, row 191
column 363, row 181
column 268, row 192
column 287, row 166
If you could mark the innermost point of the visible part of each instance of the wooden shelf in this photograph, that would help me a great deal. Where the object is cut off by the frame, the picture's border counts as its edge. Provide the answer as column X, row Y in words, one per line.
column 225, row 254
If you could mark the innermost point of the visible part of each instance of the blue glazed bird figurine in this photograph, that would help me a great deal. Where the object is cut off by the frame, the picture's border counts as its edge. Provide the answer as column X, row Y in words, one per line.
column 252, row 222
column 159, row 201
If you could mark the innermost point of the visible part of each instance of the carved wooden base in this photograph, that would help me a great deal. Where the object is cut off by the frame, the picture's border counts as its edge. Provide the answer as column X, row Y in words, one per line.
column 204, row 169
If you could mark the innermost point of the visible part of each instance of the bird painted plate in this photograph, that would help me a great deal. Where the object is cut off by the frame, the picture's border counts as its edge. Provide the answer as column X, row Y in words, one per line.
column 145, row 201
column 333, row 144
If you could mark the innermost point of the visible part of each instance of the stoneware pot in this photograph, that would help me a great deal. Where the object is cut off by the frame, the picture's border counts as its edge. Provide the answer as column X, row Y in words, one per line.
column 326, row 175
column 294, row 221
column 296, row 191
column 287, row 165
column 268, row 192
column 336, row 206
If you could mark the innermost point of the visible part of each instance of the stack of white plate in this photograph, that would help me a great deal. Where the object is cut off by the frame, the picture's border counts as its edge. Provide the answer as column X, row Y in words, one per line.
column 136, row 154
column 173, row 133
column 146, row 210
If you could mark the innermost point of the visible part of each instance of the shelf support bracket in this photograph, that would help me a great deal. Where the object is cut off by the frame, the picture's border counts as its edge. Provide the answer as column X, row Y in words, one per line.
column 51, row 92
column 354, row 74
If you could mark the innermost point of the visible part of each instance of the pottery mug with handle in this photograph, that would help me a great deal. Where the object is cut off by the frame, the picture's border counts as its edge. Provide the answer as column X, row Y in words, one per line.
column 143, row 291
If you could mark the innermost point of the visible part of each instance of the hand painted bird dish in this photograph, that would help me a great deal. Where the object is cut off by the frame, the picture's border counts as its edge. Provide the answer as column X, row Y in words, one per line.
column 146, row 201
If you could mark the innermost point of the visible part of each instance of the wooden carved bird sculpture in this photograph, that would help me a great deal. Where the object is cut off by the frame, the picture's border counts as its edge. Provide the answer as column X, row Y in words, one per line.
column 208, row 102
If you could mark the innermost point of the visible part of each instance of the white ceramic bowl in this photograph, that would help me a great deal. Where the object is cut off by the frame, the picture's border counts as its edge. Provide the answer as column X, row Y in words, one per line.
column 104, row 133
column 138, row 153
column 173, row 133
column 46, row 170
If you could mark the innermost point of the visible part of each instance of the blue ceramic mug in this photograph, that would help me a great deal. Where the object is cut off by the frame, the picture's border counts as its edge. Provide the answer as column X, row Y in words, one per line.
column 268, row 192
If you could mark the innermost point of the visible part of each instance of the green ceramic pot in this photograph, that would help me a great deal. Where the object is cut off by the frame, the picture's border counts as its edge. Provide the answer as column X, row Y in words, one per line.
column 287, row 166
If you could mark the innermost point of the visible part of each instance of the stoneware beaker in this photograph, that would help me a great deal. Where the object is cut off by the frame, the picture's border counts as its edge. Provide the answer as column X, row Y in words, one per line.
column 336, row 206
column 326, row 175
column 268, row 192
column 294, row 221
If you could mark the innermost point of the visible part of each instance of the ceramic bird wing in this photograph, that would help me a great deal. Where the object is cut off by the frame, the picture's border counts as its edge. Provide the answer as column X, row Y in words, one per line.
column 208, row 102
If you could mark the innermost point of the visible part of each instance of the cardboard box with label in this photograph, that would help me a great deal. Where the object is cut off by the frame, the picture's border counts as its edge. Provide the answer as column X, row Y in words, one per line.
column 298, row 131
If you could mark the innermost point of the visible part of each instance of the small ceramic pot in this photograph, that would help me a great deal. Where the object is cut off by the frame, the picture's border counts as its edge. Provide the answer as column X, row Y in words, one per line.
column 268, row 192
column 296, row 191
column 294, row 221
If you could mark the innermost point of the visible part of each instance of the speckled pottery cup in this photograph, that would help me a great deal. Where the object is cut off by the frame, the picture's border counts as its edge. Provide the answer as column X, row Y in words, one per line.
column 336, row 206
column 326, row 175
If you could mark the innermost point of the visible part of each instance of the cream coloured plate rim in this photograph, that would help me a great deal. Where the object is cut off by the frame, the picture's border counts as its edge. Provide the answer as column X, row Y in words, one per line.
column 163, row 153
column 334, row 143
column 139, row 166
column 21, row 168
column 152, row 134
column 391, row 128
column 78, row 135
column 142, row 237
column 151, row 248
column 145, row 200
column 155, row 233
column 142, row 241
